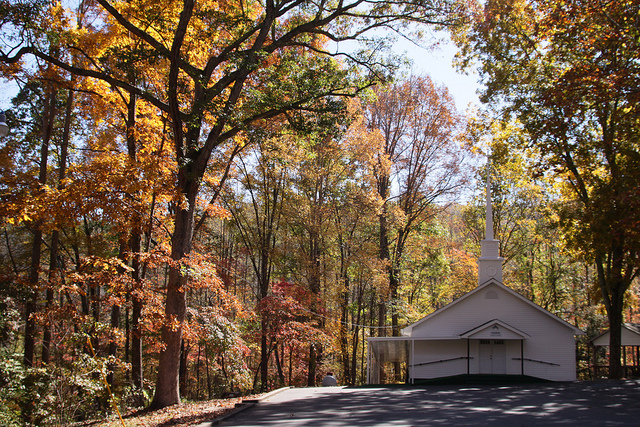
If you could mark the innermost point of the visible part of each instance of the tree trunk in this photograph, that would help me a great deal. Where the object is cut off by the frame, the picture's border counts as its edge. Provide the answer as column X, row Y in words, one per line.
column 313, row 358
column 393, row 296
column 314, row 285
column 613, row 290
column 264, row 279
column 135, row 243
column 36, row 249
column 278, row 356
column 167, row 391
column 32, row 299
column 384, row 253
column 113, row 345
column 344, row 338
column 184, row 368
column 54, row 266
column 115, row 325
column 53, row 261
column 136, row 315
column 264, row 356
column 206, row 362
column 136, row 345
column 615, row 343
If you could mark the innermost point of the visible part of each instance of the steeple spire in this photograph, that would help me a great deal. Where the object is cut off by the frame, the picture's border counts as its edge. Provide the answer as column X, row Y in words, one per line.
column 490, row 261
column 489, row 223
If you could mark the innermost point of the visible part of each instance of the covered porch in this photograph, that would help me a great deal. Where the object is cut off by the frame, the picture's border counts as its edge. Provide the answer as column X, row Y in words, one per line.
column 447, row 358
column 491, row 348
column 630, row 352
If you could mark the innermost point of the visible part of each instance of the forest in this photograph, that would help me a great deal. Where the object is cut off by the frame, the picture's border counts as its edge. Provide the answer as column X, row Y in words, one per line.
column 207, row 198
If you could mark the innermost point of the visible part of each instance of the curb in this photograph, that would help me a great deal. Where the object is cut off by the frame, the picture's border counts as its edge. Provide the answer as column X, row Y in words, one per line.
column 240, row 407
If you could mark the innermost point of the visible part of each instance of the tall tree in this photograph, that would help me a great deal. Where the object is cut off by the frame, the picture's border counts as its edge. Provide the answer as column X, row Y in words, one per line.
column 569, row 71
column 419, row 127
column 219, row 64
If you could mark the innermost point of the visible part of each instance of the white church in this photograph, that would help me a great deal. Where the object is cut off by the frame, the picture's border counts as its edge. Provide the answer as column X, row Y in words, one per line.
column 491, row 330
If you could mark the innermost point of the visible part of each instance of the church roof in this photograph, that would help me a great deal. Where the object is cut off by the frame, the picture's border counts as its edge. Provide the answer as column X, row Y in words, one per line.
column 632, row 337
column 492, row 282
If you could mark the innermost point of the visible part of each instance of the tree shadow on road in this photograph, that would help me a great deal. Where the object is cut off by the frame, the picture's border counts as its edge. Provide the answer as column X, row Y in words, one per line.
column 602, row 403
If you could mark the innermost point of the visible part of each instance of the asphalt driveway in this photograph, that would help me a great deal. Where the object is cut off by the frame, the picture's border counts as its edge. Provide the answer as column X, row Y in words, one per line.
column 601, row 403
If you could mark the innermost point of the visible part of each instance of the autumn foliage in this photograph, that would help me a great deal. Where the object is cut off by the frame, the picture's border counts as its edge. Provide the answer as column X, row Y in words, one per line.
column 206, row 199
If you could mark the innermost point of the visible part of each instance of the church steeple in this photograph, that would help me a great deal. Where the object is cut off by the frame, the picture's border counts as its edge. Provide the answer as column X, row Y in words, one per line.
column 490, row 262
column 489, row 222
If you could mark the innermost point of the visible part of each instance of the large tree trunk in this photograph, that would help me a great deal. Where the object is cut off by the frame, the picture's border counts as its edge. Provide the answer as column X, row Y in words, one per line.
column 383, row 191
column 395, row 330
column 615, row 343
column 167, row 391
column 613, row 289
column 278, row 358
column 264, row 281
column 394, row 283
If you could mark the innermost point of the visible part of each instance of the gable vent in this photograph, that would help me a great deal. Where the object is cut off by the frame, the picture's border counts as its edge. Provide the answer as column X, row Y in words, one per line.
column 491, row 295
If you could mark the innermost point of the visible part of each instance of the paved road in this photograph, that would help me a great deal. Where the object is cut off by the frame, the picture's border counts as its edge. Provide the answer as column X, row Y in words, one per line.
column 603, row 403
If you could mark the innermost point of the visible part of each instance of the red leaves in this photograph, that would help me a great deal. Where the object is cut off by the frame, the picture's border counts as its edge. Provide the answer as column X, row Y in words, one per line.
column 288, row 313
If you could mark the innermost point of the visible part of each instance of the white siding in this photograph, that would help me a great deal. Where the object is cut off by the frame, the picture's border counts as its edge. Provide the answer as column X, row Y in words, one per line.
column 433, row 351
column 549, row 339
column 628, row 338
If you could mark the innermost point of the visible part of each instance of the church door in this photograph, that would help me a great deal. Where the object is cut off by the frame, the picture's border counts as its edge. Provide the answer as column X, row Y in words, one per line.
column 493, row 357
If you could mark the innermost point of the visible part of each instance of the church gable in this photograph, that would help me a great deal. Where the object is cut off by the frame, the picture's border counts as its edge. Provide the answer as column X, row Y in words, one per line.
column 495, row 329
column 492, row 300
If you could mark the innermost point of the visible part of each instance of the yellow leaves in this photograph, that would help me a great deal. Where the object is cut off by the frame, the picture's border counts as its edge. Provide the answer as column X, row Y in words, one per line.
column 9, row 70
column 28, row 202
column 241, row 139
column 107, row 265
column 23, row 217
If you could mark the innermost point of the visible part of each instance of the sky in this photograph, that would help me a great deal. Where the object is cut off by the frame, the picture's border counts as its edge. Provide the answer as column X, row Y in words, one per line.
column 438, row 64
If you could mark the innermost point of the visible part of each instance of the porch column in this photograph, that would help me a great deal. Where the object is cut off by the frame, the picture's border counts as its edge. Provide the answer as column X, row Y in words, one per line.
column 413, row 352
column 369, row 364
column 522, row 357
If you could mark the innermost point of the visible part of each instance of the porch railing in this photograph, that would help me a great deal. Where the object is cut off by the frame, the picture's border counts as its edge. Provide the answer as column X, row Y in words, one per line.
column 536, row 361
column 442, row 361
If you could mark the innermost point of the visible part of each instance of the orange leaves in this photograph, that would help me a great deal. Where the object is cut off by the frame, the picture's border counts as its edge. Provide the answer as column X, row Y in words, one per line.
column 110, row 273
column 172, row 323
column 216, row 211
column 109, row 265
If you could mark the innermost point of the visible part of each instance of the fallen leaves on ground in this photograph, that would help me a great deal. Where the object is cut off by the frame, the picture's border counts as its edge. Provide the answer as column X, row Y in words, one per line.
column 185, row 414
